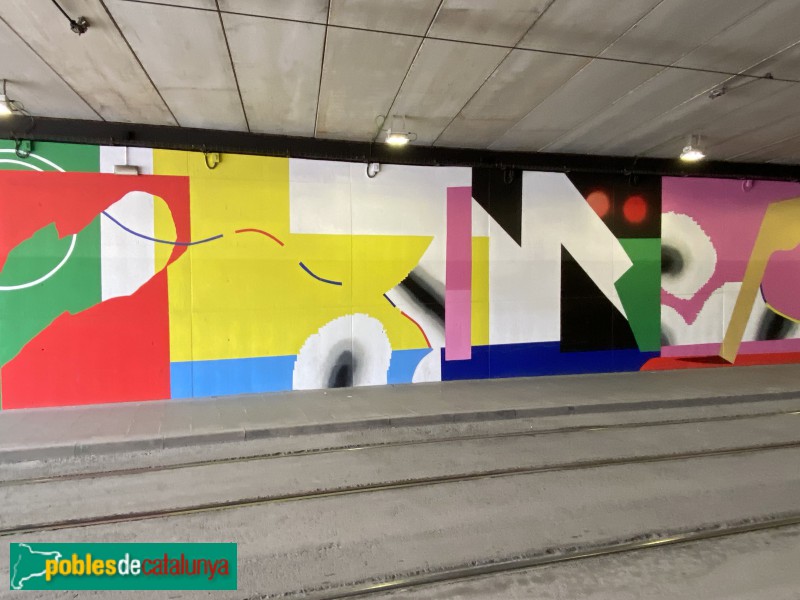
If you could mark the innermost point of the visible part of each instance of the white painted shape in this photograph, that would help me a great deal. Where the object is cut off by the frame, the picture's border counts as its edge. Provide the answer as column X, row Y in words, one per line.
column 525, row 282
column 120, row 155
column 480, row 220
column 685, row 235
column 429, row 368
column 127, row 261
column 712, row 321
column 404, row 200
column 372, row 351
column 433, row 329
column 360, row 334
column 400, row 200
column 707, row 328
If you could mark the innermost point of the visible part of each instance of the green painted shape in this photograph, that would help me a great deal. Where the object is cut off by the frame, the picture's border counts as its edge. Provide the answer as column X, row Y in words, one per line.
column 19, row 321
column 70, row 157
column 640, row 291
column 73, row 288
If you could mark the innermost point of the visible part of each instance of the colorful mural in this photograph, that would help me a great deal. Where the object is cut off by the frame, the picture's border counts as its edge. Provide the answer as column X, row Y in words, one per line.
column 267, row 274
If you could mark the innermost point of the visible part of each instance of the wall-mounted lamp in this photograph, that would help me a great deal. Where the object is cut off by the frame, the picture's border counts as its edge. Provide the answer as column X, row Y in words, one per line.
column 397, row 138
column 398, row 134
column 692, row 151
column 7, row 106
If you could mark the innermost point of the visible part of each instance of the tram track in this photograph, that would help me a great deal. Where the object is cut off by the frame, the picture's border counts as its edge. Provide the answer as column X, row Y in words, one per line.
column 545, row 558
column 383, row 486
column 134, row 471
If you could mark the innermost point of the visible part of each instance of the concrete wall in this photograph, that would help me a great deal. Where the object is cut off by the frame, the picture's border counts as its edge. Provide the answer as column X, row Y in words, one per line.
column 271, row 274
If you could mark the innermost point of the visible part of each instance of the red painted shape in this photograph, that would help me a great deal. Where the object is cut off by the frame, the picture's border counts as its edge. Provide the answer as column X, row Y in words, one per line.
column 600, row 202
column 262, row 232
column 116, row 351
column 31, row 200
column 667, row 363
column 421, row 330
column 635, row 209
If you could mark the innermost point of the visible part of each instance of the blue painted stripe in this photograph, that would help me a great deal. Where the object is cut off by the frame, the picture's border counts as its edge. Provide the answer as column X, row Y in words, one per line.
column 544, row 358
column 231, row 376
column 307, row 270
column 404, row 363
column 160, row 241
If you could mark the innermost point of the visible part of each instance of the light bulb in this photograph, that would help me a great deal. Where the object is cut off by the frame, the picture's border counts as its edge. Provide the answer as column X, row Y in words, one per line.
column 5, row 106
column 692, row 154
column 397, row 138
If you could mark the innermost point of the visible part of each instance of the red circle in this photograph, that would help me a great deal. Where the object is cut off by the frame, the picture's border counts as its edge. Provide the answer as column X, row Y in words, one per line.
column 600, row 202
column 635, row 209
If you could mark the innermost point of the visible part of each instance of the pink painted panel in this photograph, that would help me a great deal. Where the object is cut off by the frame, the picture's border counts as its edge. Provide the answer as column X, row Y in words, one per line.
column 458, row 275
column 731, row 215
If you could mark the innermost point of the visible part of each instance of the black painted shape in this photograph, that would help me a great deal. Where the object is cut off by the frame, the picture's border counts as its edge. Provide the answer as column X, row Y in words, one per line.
column 423, row 293
column 773, row 326
column 619, row 189
column 343, row 371
column 671, row 260
column 588, row 319
column 499, row 192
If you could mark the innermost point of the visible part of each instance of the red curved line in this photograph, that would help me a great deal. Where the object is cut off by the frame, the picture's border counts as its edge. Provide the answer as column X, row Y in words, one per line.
column 262, row 232
column 422, row 331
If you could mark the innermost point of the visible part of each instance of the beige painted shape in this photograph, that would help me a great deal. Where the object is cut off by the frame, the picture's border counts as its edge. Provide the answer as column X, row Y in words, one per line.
column 780, row 230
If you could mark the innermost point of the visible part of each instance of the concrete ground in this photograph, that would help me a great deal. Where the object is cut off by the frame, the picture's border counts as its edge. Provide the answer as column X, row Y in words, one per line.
column 746, row 567
column 90, row 430
column 304, row 547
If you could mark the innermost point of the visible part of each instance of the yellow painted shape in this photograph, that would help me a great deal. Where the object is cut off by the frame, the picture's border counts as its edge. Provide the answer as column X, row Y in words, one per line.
column 480, row 291
column 780, row 314
column 163, row 229
column 379, row 264
column 780, row 230
column 245, row 295
column 217, row 292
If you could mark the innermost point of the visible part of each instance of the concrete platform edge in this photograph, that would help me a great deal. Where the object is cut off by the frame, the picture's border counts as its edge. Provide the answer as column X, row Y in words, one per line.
column 127, row 444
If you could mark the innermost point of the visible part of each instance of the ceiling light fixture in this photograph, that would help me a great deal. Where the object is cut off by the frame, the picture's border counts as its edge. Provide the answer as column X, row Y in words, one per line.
column 7, row 106
column 692, row 152
column 78, row 26
column 399, row 135
column 397, row 138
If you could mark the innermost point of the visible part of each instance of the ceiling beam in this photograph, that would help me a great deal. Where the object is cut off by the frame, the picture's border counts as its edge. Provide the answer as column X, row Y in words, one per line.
column 212, row 140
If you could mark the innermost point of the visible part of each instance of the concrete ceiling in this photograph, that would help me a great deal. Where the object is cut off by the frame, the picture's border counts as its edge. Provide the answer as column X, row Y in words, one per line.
column 597, row 77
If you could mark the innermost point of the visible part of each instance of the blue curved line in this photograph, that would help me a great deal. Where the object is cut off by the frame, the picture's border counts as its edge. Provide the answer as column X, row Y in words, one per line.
column 307, row 270
column 152, row 239
column 390, row 301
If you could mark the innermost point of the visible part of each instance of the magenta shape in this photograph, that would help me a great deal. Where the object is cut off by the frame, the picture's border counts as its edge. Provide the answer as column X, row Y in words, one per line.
column 781, row 284
column 731, row 215
column 458, row 275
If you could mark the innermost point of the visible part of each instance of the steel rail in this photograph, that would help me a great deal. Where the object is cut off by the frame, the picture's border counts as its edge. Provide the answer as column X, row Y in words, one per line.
column 542, row 560
column 380, row 487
